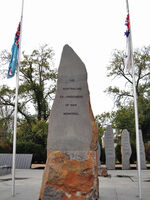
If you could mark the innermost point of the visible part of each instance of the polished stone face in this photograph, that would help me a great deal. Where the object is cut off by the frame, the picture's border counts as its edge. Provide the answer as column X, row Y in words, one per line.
column 69, row 124
column 125, row 149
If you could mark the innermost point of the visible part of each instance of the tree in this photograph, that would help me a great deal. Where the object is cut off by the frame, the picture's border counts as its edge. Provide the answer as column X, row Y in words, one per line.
column 142, row 74
column 123, row 118
column 37, row 85
column 5, row 123
column 35, row 132
column 123, row 98
column 102, row 121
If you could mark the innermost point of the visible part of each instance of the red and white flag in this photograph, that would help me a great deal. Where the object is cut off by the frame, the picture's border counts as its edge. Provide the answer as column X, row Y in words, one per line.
column 128, row 59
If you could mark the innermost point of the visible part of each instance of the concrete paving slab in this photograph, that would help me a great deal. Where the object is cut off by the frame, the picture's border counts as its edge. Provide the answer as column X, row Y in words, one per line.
column 123, row 185
column 27, row 185
column 120, row 185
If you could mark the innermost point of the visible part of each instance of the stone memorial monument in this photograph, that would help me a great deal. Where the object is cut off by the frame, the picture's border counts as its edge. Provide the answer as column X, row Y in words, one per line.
column 109, row 148
column 142, row 151
column 71, row 171
column 125, row 149
column 98, row 155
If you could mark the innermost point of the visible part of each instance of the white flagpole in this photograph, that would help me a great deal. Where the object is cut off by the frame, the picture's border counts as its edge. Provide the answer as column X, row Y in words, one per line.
column 16, row 110
column 136, row 112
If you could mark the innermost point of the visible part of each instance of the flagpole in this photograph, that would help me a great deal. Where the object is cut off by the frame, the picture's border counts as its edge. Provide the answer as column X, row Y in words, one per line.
column 16, row 105
column 136, row 112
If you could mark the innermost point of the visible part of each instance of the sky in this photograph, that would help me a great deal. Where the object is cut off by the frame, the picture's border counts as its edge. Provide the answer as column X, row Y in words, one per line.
column 93, row 28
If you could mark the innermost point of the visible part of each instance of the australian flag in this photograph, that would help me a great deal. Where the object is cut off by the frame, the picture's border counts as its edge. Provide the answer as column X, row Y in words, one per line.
column 14, row 56
column 128, row 45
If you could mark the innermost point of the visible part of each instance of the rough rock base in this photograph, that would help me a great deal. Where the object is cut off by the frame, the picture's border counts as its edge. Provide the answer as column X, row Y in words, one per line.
column 70, row 176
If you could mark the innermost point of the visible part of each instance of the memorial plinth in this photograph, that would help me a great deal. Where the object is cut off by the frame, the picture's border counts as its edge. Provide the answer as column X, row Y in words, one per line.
column 71, row 169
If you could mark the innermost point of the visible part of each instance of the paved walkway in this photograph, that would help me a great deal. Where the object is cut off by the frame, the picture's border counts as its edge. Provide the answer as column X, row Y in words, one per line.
column 120, row 185
column 27, row 185
column 123, row 185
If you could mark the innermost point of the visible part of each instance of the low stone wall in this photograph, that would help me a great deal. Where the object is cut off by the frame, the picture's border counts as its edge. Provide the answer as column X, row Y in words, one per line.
column 23, row 161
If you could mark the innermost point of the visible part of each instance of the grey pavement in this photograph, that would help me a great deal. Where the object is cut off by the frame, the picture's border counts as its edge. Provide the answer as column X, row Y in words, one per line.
column 27, row 185
column 123, row 185
column 120, row 185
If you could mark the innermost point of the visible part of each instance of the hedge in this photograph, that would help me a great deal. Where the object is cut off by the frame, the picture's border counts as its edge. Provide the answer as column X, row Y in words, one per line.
column 38, row 151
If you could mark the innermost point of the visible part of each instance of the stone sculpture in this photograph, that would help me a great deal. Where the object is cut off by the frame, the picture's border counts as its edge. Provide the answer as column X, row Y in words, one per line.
column 125, row 149
column 71, row 169
column 142, row 151
column 109, row 148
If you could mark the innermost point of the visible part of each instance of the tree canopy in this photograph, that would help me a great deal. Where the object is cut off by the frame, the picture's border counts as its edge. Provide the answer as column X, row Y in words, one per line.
column 123, row 116
column 37, row 85
column 142, row 76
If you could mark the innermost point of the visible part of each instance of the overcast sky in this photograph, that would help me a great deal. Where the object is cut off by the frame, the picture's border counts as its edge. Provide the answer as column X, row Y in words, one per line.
column 93, row 28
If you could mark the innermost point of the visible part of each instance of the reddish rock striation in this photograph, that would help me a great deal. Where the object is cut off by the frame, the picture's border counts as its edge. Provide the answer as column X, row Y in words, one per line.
column 70, row 175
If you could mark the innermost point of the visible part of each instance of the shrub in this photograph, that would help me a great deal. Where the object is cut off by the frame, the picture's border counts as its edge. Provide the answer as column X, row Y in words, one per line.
column 147, row 151
column 38, row 151
column 102, row 155
column 5, row 147
column 118, row 153
column 133, row 155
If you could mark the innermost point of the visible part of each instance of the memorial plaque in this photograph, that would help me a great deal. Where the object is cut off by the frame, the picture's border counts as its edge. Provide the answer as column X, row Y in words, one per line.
column 109, row 148
column 125, row 149
column 71, row 170
column 142, row 151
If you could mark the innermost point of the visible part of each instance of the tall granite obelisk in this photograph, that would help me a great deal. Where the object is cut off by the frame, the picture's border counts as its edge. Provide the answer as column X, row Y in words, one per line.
column 71, row 168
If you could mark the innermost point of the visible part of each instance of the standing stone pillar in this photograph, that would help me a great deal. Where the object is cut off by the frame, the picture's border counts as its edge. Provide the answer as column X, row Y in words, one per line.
column 71, row 168
column 142, row 151
column 125, row 149
column 109, row 148
column 98, row 154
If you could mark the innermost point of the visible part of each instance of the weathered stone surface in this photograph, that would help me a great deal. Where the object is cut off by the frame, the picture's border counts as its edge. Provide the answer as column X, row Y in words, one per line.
column 71, row 171
column 125, row 149
column 70, row 175
column 69, row 125
column 109, row 148
column 142, row 151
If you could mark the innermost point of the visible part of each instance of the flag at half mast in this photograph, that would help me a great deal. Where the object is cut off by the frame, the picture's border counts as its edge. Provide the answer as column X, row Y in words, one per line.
column 14, row 56
column 128, row 59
